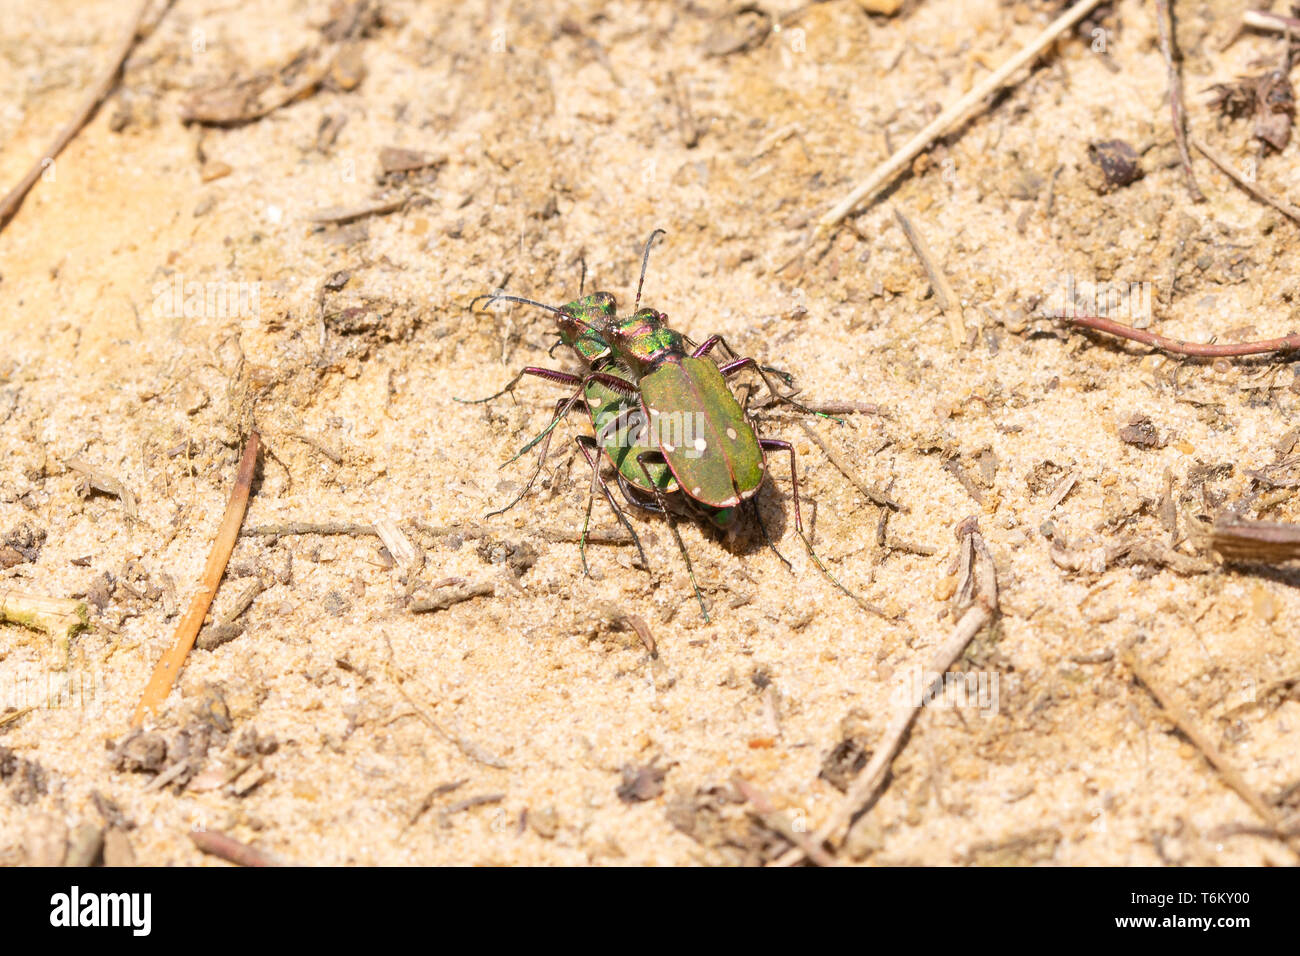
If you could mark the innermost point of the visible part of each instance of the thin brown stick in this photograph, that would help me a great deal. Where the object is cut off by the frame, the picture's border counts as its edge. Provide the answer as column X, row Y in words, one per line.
column 216, row 843
column 1165, row 20
column 9, row 205
column 1187, row 727
column 984, row 585
column 1281, row 205
column 775, row 820
column 16, row 715
column 872, row 495
column 620, row 618
column 943, row 291
column 450, row 598
column 169, row 665
column 1255, row 542
column 1286, row 343
column 883, row 174
column 290, row 528
column 342, row 214
column 839, row 408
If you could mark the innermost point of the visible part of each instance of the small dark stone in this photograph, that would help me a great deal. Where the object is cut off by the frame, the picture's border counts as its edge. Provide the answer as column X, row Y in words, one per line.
column 1118, row 161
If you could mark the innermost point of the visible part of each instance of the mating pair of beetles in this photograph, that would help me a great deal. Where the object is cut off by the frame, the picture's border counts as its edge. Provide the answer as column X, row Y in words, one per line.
column 663, row 415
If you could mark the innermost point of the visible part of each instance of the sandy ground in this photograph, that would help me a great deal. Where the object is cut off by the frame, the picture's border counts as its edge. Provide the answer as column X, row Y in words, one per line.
column 339, row 727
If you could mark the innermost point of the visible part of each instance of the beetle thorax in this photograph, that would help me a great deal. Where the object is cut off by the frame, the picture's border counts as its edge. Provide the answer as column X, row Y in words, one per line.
column 643, row 341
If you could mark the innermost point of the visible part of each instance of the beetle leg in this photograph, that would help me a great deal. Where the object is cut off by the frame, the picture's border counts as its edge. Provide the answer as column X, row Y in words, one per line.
column 562, row 408
column 731, row 368
column 585, row 442
column 619, row 386
column 708, row 346
column 636, row 498
column 550, row 374
column 758, row 517
column 627, row 418
column 672, row 524
column 713, row 341
column 776, row 444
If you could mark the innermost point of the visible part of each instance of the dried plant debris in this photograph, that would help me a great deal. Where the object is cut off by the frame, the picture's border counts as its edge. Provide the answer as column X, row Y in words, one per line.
column 21, row 544
column 1268, row 99
column 141, row 752
column 518, row 556
column 641, row 783
column 1280, row 474
column 61, row 618
column 1021, row 849
column 27, row 779
column 738, row 31
column 714, row 817
column 844, row 762
column 1142, row 433
column 336, row 64
column 399, row 166
column 93, row 479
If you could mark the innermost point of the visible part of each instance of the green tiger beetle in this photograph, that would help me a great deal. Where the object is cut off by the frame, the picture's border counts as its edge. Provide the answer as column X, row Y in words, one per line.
column 664, row 416
column 621, row 438
column 575, row 326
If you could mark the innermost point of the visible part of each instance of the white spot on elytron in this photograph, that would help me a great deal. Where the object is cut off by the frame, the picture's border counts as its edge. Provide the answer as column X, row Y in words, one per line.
column 669, row 448
column 701, row 444
column 695, row 490
column 730, row 502
column 731, row 433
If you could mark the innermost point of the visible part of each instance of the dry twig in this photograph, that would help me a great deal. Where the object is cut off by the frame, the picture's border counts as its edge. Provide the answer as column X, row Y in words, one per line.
column 1264, row 20
column 169, row 665
column 1263, row 542
column 216, row 843
column 1165, row 19
column 775, row 820
column 1286, row 343
column 9, row 205
column 982, row 592
column 945, row 121
column 1281, row 205
column 943, row 291
column 1187, row 727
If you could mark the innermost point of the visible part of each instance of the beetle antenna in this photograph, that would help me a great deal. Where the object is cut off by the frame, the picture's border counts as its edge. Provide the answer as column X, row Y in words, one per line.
column 515, row 298
column 645, row 261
